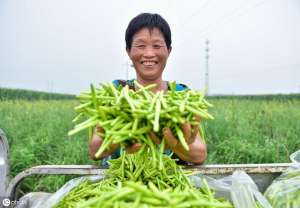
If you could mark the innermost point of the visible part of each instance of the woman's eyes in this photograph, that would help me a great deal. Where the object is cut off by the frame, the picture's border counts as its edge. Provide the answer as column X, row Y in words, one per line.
column 157, row 46
column 154, row 46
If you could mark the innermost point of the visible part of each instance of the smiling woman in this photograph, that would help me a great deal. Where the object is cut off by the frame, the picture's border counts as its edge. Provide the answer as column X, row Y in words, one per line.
column 149, row 54
column 148, row 45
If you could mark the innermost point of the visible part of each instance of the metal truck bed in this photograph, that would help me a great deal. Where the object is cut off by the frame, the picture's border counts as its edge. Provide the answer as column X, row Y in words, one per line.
column 262, row 174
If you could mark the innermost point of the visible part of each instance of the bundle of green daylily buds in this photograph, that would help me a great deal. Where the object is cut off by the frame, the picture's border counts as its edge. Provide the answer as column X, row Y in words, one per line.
column 128, row 116
column 132, row 181
column 147, row 178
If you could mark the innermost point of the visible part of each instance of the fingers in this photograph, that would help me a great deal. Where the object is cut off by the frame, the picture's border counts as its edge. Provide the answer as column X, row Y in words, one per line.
column 133, row 148
column 95, row 144
column 99, row 129
column 195, row 130
column 190, row 131
column 187, row 132
column 156, row 140
column 113, row 148
column 110, row 151
column 154, row 137
column 171, row 140
column 197, row 118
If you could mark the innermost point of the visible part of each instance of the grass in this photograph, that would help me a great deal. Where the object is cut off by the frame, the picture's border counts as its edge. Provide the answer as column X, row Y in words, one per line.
column 16, row 94
column 37, row 135
column 253, row 131
column 244, row 131
column 267, row 97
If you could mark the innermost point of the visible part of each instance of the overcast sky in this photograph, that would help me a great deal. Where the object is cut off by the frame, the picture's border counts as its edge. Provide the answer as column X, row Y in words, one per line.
column 64, row 45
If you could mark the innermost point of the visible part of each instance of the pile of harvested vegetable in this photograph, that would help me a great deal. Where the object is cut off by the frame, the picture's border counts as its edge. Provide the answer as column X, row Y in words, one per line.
column 285, row 190
column 132, row 180
column 147, row 178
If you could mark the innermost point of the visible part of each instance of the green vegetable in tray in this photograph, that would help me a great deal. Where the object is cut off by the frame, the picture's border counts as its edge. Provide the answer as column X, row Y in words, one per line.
column 285, row 190
column 132, row 181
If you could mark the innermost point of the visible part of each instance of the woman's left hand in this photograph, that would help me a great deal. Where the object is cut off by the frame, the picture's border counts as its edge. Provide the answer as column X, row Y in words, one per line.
column 197, row 149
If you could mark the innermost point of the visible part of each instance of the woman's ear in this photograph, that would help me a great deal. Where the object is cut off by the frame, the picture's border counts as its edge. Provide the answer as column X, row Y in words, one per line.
column 170, row 49
column 128, row 52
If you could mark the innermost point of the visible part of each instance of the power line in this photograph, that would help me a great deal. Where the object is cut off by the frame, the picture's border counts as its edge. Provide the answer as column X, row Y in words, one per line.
column 236, row 12
column 195, row 13
column 254, row 70
column 222, row 17
column 231, row 18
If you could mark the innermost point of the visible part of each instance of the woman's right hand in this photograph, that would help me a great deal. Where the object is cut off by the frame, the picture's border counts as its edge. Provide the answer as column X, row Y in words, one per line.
column 96, row 143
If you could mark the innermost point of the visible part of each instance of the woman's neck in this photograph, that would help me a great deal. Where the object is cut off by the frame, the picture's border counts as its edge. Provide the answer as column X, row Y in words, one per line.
column 160, row 84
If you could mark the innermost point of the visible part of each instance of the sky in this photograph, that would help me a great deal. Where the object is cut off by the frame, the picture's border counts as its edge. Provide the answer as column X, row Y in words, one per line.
column 64, row 45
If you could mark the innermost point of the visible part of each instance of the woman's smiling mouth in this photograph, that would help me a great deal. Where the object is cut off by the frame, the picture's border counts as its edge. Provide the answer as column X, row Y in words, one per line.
column 148, row 63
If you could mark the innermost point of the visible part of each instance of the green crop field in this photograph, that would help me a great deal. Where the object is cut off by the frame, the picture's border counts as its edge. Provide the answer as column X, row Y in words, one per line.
column 253, row 131
column 16, row 94
column 244, row 131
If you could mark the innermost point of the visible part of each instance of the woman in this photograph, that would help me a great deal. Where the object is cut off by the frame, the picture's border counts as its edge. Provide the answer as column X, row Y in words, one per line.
column 148, row 45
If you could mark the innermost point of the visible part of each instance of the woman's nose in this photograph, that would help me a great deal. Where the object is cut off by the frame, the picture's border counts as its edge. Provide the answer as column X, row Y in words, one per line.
column 149, row 51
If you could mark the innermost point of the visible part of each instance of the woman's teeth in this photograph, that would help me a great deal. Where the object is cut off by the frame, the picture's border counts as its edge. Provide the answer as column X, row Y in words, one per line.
column 148, row 63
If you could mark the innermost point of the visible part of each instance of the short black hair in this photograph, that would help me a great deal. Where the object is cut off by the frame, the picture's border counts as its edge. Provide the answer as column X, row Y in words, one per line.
column 151, row 21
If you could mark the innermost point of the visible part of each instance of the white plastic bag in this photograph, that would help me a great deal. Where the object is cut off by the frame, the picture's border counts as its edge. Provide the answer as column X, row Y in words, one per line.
column 244, row 192
column 238, row 188
column 48, row 200
column 295, row 157
column 285, row 190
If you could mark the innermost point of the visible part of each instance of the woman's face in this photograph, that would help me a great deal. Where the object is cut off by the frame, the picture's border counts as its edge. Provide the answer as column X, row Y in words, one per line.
column 149, row 54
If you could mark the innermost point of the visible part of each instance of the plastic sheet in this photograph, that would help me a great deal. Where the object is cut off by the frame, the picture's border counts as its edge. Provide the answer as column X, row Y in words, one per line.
column 48, row 200
column 295, row 157
column 238, row 188
column 285, row 190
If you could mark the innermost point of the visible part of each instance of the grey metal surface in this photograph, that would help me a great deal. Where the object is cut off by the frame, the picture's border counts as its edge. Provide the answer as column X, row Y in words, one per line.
column 248, row 168
column 4, row 163
column 262, row 174
column 262, row 180
column 51, row 170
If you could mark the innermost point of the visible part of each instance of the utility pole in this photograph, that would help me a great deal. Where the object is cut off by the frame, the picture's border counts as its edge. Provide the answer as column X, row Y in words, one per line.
column 207, row 66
